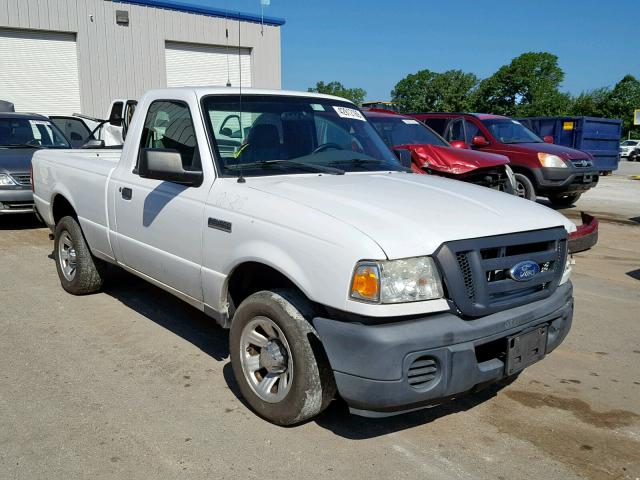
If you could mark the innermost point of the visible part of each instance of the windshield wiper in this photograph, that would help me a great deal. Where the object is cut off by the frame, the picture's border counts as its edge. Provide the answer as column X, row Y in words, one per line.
column 268, row 163
column 20, row 145
column 365, row 161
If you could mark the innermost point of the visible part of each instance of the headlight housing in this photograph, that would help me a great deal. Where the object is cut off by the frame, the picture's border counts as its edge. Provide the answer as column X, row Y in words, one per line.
column 551, row 161
column 396, row 281
column 568, row 267
column 6, row 180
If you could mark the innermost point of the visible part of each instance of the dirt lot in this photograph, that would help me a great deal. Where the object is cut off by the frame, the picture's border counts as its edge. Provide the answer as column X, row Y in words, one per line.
column 131, row 383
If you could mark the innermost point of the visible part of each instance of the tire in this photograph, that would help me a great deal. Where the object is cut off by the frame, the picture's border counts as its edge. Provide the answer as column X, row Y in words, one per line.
column 79, row 271
column 524, row 187
column 563, row 201
column 301, row 383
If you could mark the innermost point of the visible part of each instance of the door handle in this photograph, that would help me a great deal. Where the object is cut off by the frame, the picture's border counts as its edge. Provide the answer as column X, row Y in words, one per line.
column 126, row 192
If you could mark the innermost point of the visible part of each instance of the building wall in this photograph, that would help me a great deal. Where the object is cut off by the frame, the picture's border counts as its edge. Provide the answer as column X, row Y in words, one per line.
column 117, row 61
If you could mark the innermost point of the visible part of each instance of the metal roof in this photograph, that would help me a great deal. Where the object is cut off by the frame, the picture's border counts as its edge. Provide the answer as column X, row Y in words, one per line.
column 189, row 7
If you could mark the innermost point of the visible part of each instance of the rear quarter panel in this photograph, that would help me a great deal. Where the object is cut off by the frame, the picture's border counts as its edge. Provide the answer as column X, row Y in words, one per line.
column 81, row 178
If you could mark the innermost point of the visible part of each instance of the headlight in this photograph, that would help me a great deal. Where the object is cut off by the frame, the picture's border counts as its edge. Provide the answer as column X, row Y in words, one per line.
column 566, row 274
column 6, row 180
column 552, row 161
column 396, row 281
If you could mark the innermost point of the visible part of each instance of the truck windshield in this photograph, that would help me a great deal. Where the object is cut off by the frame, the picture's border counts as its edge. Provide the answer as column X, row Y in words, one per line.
column 30, row 133
column 405, row 131
column 511, row 131
column 272, row 135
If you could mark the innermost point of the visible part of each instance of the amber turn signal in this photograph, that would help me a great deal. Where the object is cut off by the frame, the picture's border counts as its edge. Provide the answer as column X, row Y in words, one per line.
column 366, row 283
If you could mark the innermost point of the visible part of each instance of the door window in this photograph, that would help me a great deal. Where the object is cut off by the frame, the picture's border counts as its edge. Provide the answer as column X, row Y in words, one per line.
column 74, row 129
column 471, row 130
column 169, row 125
column 455, row 130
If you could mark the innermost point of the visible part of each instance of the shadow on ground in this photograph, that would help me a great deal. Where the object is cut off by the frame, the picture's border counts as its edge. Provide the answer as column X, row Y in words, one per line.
column 203, row 332
column 20, row 221
column 169, row 312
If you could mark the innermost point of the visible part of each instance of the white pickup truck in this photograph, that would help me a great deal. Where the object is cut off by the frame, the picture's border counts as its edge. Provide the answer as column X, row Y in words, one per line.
column 285, row 217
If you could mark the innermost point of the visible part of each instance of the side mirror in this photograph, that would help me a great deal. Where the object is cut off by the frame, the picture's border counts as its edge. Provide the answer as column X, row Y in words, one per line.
column 115, row 120
column 459, row 144
column 479, row 141
column 93, row 144
column 166, row 164
column 548, row 139
column 226, row 131
column 404, row 156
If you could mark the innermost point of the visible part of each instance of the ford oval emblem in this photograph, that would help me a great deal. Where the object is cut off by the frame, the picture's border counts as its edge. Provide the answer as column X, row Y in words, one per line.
column 524, row 271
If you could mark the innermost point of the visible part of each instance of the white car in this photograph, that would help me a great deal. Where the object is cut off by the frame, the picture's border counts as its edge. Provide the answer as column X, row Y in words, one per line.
column 627, row 147
column 284, row 216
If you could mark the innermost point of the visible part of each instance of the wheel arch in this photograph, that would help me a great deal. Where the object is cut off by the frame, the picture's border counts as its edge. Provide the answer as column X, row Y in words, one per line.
column 61, row 207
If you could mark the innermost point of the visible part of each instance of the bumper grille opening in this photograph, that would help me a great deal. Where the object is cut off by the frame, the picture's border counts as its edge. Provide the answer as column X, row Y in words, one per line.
column 422, row 371
column 494, row 349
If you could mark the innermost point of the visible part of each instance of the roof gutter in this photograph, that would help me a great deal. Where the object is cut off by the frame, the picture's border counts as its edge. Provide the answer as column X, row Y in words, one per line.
column 208, row 11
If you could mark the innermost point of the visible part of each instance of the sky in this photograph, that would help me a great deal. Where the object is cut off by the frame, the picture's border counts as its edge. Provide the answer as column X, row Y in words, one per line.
column 374, row 44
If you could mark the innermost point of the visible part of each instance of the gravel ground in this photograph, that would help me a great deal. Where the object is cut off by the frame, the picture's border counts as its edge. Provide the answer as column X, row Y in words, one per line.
column 132, row 383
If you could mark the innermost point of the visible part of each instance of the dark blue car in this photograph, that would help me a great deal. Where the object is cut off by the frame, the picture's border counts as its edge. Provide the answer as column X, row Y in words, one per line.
column 21, row 135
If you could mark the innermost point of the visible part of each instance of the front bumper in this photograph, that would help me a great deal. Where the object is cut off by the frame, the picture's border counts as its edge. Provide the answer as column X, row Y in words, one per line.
column 586, row 236
column 563, row 180
column 16, row 200
column 371, row 363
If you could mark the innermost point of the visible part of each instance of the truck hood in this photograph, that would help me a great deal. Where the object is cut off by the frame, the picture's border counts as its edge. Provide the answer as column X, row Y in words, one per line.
column 409, row 215
column 16, row 160
column 456, row 161
column 563, row 152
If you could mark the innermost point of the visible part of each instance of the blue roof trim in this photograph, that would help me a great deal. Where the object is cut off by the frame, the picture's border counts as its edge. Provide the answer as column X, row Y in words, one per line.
column 210, row 11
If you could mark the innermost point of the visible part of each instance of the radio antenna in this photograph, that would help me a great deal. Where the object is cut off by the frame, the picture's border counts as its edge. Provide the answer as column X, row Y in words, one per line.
column 241, row 176
column 226, row 32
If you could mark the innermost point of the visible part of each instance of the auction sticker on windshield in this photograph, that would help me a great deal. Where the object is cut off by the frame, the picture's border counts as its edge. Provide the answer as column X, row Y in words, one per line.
column 345, row 112
column 409, row 121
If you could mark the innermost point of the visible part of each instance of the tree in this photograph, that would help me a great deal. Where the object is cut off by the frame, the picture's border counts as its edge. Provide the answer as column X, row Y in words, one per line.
column 525, row 87
column 592, row 103
column 425, row 90
column 623, row 99
column 356, row 95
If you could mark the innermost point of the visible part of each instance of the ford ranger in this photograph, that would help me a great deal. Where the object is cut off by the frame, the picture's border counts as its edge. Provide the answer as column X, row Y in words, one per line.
column 285, row 217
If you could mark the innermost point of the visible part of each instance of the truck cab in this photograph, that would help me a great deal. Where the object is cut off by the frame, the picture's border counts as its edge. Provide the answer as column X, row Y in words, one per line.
column 541, row 168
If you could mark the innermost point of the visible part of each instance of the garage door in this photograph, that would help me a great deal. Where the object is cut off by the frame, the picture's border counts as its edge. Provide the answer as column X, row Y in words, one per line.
column 200, row 65
column 39, row 71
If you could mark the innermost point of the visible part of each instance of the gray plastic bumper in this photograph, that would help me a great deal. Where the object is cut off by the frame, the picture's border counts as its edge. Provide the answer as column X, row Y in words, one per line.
column 371, row 362
column 16, row 200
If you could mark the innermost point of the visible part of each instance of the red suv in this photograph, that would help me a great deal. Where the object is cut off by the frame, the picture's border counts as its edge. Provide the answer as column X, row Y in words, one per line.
column 559, row 173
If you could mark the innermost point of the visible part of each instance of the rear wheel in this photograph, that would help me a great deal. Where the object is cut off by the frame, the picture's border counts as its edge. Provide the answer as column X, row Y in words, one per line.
column 277, row 359
column 561, row 201
column 79, row 271
column 524, row 187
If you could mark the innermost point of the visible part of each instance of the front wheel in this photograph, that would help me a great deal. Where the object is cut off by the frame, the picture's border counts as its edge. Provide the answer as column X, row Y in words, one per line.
column 277, row 359
column 79, row 271
column 524, row 187
column 563, row 201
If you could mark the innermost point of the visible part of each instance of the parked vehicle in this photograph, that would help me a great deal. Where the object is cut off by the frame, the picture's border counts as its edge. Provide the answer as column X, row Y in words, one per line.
column 89, row 132
column 432, row 154
column 6, row 106
column 21, row 135
column 390, row 106
column 627, row 147
column 599, row 137
column 634, row 156
column 337, row 271
column 559, row 173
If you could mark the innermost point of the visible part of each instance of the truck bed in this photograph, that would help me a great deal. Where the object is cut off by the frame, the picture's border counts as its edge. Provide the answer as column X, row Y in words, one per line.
column 78, row 174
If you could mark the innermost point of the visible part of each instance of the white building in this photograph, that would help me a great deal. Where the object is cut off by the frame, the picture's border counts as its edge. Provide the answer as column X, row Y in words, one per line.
column 68, row 56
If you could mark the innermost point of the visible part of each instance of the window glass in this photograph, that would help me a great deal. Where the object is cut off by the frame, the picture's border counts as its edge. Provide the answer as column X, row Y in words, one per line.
column 472, row 130
column 115, row 116
column 511, row 131
column 405, row 131
column 437, row 124
column 20, row 132
column 455, row 131
column 287, row 134
column 74, row 129
column 168, row 125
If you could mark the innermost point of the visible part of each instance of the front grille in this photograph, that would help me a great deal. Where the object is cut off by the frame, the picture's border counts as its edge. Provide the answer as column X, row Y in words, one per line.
column 582, row 163
column 476, row 271
column 22, row 178
column 422, row 371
